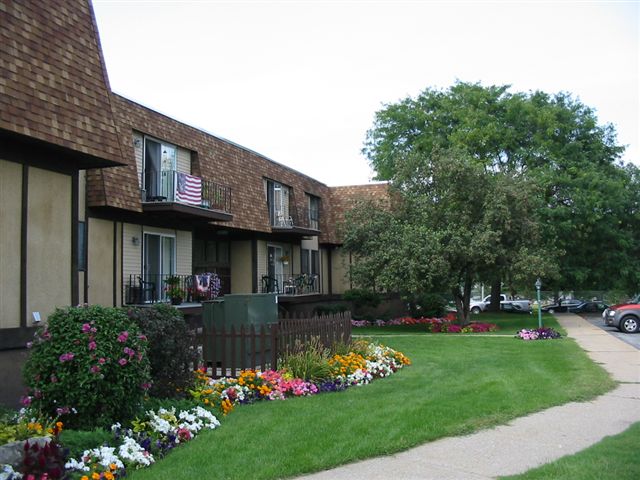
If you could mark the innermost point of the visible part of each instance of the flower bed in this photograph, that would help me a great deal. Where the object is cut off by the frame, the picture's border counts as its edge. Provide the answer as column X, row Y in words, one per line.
column 538, row 334
column 349, row 370
column 433, row 325
column 157, row 432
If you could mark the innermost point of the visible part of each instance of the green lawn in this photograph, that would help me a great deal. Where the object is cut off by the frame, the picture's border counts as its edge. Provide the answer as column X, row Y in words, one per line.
column 508, row 324
column 614, row 458
column 456, row 385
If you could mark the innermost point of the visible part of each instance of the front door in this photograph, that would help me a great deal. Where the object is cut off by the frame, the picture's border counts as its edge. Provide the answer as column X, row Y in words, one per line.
column 159, row 261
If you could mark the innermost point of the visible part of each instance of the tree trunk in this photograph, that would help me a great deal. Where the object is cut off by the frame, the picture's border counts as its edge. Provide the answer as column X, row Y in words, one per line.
column 463, row 299
column 496, row 285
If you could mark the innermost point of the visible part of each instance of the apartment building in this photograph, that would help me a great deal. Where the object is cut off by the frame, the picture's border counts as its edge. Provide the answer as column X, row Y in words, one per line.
column 103, row 199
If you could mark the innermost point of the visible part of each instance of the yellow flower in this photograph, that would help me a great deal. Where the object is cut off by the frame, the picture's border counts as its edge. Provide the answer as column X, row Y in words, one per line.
column 108, row 476
column 113, row 466
column 95, row 476
column 84, row 477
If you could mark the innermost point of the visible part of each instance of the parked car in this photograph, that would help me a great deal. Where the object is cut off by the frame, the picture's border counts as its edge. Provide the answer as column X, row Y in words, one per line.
column 589, row 307
column 507, row 304
column 562, row 305
column 625, row 316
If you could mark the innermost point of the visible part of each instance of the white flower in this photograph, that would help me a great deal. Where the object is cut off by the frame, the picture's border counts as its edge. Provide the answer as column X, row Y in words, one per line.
column 132, row 453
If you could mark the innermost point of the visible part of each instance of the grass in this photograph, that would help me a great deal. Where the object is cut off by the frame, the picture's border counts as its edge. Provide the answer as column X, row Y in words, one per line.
column 508, row 324
column 613, row 458
column 456, row 385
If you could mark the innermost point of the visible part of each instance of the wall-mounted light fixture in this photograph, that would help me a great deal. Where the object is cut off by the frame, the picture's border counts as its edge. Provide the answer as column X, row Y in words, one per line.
column 137, row 142
column 135, row 240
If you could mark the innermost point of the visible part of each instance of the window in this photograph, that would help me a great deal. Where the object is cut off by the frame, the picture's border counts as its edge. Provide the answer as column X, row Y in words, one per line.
column 309, row 261
column 82, row 246
column 278, row 204
column 314, row 212
column 159, row 164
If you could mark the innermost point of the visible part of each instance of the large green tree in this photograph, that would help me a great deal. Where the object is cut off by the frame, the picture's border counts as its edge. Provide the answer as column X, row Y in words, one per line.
column 554, row 141
column 450, row 222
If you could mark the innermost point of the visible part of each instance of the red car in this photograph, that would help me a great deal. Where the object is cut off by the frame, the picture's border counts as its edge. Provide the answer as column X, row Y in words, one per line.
column 625, row 316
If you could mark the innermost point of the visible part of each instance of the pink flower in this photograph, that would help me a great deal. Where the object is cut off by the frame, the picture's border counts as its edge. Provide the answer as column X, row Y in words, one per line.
column 53, row 378
column 86, row 328
column 92, row 345
column 129, row 351
column 102, row 360
column 145, row 386
column 123, row 336
column 66, row 357
column 95, row 369
column 142, row 337
column 29, row 344
column 25, row 401
column 122, row 362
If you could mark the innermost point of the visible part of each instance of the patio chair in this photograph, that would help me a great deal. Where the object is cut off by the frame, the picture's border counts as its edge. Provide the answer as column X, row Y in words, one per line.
column 269, row 284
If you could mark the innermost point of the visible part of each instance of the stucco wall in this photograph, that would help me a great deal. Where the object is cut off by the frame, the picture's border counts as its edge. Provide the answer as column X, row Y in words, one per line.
column 100, row 262
column 48, row 241
column 340, row 266
column 241, row 267
column 11, row 201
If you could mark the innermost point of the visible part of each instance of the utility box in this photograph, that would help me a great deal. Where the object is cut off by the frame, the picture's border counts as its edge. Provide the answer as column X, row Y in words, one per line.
column 236, row 310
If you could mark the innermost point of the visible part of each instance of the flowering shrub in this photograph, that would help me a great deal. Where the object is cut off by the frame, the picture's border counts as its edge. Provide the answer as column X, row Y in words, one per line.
column 89, row 361
column 538, row 334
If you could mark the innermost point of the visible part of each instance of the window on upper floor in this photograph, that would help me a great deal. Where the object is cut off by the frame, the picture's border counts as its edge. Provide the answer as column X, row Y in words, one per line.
column 314, row 211
column 159, row 164
column 278, row 197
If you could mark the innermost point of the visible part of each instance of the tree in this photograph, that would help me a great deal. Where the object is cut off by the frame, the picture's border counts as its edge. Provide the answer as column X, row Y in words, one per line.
column 556, row 143
column 447, row 227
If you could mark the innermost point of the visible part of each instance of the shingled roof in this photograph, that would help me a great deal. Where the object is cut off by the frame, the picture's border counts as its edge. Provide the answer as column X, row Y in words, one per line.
column 54, row 86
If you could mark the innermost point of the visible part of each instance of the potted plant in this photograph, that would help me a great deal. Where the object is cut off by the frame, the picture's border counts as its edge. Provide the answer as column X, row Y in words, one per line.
column 285, row 259
column 173, row 290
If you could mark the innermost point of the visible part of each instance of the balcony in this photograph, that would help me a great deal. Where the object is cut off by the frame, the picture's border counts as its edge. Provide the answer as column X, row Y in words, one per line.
column 186, row 196
column 302, row 221
column 296, row 285
column 152, row 288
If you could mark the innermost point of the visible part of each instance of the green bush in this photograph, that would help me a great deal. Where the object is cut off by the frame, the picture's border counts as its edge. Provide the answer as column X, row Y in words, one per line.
column 77, row 441
column 89, row 366
column 362, row 298
column 330, row 309
column 427, row 305
column 309, row 361
column 172, row 354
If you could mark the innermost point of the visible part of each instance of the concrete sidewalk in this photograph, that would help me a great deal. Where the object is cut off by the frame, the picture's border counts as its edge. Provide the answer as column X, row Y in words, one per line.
column 526, row 442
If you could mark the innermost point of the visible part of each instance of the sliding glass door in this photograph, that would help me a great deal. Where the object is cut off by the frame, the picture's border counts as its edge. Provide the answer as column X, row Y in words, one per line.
column 159, row 261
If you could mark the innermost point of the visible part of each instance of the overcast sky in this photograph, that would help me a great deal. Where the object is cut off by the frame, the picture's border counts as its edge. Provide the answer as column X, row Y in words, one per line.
column 300, row 81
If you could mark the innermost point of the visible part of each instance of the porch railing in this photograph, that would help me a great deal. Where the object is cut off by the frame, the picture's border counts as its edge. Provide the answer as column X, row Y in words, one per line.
column 284, row 284
column 173, row 186
column 294, row 217
column 153, row 288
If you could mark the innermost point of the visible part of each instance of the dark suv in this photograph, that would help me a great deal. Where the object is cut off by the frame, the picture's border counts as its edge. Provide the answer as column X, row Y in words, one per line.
column 625, row 317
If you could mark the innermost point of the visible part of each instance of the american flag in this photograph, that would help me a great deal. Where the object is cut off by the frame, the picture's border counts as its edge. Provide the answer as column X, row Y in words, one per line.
column 189, row 189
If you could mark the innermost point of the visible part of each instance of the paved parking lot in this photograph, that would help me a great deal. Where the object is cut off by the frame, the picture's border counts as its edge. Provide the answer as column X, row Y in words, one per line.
column 630, row 338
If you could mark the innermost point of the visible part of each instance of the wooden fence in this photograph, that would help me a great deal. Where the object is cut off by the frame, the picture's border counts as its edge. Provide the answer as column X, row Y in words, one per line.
column 227, row 351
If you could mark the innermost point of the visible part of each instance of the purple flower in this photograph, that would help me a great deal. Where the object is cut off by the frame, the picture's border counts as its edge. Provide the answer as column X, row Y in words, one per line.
column 29, row 344
column 25, row 401
column 123, row 336
column 53, row 378
column 62, row 410
column 122, row 362
column 129, row 351
column 86, row 328
column 66, row 357
column 92, row 345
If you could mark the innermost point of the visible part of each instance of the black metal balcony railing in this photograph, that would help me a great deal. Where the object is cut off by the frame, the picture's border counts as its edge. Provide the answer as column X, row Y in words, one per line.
column 145, row 289
column 302, row 284
column 302, row 218
column 173, row 186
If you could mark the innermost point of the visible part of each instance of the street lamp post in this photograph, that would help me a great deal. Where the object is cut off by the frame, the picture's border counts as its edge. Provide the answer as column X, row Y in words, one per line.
column 538, row 285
